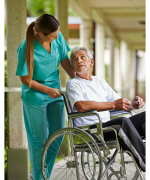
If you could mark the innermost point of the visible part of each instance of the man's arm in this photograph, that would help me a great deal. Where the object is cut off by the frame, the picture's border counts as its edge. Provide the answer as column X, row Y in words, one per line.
column 119, row 104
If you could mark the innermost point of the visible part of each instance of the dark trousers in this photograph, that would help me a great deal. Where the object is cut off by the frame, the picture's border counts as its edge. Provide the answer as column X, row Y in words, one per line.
column 130, row 130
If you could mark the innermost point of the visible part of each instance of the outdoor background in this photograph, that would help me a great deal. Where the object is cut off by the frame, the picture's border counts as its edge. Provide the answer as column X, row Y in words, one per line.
column 36, row 8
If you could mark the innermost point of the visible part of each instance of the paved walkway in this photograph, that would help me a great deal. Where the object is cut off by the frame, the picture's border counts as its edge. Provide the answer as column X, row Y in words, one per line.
column 70, row 174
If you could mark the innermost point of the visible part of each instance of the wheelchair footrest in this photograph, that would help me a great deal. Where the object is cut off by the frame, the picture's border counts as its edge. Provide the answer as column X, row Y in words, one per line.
column 84, row 147
column 110, row 144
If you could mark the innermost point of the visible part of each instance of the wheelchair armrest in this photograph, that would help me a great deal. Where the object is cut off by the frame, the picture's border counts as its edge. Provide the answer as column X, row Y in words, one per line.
column 78, row 114
column 116, row 112
column 87, row 113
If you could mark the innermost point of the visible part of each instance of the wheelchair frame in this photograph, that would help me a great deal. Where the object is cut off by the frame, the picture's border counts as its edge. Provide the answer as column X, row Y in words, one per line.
column 98, row 145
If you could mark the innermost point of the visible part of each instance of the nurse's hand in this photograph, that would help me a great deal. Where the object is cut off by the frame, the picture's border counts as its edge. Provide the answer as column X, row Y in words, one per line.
column 53, row 93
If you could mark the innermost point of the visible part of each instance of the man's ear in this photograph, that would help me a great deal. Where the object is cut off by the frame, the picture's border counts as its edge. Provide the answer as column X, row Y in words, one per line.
column 92, row 62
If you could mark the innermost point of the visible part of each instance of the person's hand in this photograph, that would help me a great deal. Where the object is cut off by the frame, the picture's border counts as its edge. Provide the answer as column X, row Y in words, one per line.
column 54, row 93
column 121, row 104
column 137, row 102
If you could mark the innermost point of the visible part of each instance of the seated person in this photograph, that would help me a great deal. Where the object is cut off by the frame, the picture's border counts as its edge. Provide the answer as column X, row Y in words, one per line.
column 86, row 92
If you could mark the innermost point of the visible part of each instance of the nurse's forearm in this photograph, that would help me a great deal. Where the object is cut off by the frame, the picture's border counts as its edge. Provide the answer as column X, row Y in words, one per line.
column 68, row 67
column 39, row 87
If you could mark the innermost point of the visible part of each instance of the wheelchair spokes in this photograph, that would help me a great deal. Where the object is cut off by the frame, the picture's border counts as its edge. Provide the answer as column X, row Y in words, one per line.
column 122, row 166
column 125, row 167
column 87, row 164
column 70, row 166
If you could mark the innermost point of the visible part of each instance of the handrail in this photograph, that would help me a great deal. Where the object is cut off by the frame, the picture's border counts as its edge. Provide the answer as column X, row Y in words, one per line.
column 12, row 89
column 18, row 89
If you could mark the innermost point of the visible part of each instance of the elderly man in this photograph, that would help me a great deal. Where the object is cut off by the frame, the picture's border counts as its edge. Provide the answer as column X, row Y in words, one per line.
column 86, row 92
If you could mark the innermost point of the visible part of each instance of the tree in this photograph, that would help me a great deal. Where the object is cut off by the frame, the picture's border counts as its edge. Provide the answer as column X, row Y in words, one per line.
column 38, row 7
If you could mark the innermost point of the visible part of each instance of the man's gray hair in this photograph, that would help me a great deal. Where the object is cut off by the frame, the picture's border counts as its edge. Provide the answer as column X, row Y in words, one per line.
column 76, row 49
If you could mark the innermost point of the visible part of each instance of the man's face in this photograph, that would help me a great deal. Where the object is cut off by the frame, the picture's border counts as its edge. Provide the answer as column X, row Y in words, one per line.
column 81, row 62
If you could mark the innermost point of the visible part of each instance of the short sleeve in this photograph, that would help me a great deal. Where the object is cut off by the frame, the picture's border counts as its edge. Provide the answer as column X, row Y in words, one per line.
column 74, row 93
column 22, row 69
column 112, row 95
column 64, row 48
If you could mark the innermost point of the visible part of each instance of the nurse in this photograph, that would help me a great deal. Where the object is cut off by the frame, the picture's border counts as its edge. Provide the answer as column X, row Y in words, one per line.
column 39, row 55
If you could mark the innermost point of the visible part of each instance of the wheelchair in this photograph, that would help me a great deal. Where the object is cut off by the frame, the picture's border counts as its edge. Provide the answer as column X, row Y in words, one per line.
column 84, row 154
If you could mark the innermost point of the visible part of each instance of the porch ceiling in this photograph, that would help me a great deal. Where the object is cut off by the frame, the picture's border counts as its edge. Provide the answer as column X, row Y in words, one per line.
column 123, row 19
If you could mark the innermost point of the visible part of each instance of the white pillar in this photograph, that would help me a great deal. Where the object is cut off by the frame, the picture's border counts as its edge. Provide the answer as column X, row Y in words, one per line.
column 85, row 33
column 117, row 72
column 132, row 69
column 99, row 50
column 62, row 16
column 123, row 67
column 141, row 74
column 17, row 145
column 111, row 65
column 130, row 74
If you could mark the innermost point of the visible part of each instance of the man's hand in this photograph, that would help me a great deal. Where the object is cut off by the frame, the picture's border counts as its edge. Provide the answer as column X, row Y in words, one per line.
column 121, row 104
column 137, row 102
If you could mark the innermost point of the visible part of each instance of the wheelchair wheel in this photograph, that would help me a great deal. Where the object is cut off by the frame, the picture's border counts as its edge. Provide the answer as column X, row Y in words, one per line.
column 87, row 163
column 114, row 172
column 67, row 145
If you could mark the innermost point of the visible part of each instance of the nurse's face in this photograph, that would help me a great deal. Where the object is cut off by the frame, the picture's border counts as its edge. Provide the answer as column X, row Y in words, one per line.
column 50, row 37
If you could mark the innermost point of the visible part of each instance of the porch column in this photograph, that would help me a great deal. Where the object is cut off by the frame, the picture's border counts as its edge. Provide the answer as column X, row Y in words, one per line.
column 86, row 33
column 117, row 72
column 99, row 50
column 62, row 16
column 130, row 73
column 141, row 74
column 18, row 165
column 123, row 67
column 111, row 66
column 132, row 69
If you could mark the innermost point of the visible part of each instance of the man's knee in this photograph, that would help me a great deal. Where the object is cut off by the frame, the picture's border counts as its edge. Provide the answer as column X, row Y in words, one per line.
column 125, row 120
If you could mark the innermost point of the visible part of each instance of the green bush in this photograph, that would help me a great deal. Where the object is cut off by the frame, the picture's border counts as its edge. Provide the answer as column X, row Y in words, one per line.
column 5, row 72
column 5, row 150
column 5, row 119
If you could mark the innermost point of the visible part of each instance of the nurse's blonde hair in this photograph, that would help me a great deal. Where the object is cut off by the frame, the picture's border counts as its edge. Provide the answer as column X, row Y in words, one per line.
column 45, row 24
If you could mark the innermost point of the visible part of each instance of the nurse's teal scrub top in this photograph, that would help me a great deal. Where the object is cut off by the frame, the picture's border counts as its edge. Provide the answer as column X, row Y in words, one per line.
column 45, row 69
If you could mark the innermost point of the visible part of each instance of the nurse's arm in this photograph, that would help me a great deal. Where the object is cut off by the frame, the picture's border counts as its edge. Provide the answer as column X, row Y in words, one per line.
column 68, row 68
column 52, row 92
